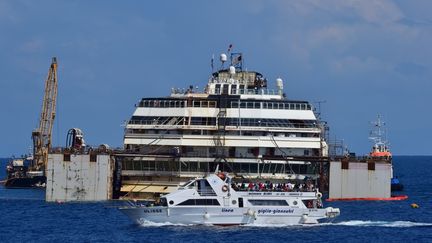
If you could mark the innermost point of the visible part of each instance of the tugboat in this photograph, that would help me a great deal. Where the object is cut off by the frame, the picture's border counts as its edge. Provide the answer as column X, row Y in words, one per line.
column 380, row 148
column 381, row 151
column 215, row 200
column 19, row 175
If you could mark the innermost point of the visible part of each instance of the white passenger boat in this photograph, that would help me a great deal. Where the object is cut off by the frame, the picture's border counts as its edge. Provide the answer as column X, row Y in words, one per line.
column 212, row 200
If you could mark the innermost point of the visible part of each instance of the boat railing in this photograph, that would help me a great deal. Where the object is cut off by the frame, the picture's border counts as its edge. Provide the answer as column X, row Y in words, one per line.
column 258, row 123
column 363, row 159
column 246, row 91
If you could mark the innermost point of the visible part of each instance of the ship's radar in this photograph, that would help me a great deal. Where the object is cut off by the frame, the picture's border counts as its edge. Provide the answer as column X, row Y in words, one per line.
column 223, row 57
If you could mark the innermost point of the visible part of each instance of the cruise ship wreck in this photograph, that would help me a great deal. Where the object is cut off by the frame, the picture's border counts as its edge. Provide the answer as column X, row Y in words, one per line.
column 237, row 122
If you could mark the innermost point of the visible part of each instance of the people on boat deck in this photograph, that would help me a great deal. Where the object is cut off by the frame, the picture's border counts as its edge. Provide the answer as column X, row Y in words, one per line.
column 269, row 186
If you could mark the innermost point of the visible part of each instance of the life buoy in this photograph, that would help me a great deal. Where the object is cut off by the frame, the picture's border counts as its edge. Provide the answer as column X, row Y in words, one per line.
column 224, row 188
column 319, row 194
column 221, row 175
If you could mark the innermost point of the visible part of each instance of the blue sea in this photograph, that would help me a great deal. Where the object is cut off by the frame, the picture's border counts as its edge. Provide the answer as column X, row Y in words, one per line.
column 26, row 217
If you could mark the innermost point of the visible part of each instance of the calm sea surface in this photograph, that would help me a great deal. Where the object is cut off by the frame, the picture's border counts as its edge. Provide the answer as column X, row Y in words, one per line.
column 24, row 216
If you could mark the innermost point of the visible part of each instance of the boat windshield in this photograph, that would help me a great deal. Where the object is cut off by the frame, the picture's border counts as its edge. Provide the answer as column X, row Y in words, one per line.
column 187, row 183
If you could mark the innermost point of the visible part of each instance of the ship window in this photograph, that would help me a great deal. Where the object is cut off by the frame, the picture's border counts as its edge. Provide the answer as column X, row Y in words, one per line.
column 187, row 183
column 265, row 105
column 225, row 89
column 127, row 165
column 253, row 168
column 250, row 105
column 297, row 106
column 234, row 104
column 200, row 202
column 136, row 165
column 163, row 202
column 212, row 103
column 257, row 105
column 234, row 89
column 242, row 104
column 242, row 91
column 204, row 188
column 268, row 202
column 217, row 88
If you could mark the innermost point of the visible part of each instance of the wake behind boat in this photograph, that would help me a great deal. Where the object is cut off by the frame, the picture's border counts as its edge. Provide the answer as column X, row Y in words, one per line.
column 212, row 200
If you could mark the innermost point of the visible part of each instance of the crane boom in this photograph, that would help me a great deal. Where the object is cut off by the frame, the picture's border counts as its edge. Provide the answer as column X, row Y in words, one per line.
column 42, row 135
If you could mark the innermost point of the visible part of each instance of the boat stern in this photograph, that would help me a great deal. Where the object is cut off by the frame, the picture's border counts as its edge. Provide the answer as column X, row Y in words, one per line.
column 332, row 212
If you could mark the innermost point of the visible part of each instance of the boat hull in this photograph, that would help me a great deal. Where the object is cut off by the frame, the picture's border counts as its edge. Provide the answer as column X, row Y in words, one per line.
column 25, row 182
column 225, row 216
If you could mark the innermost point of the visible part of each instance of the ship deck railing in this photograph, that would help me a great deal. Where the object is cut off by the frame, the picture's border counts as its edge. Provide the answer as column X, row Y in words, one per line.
column 248, row 126
column 362, row 159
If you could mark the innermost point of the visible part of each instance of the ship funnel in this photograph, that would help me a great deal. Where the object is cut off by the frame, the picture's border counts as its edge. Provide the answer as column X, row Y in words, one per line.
column 279, row 85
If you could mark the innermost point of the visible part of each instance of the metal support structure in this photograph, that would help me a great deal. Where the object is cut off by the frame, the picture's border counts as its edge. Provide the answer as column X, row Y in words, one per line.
column 42, row 135
column 219, row 137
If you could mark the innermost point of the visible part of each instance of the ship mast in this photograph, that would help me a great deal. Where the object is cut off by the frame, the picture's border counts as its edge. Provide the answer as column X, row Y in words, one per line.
column 377, row 135
column 42, row 135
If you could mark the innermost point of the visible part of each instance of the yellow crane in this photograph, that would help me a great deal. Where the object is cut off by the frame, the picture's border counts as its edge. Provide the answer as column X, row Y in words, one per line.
column 42, row 135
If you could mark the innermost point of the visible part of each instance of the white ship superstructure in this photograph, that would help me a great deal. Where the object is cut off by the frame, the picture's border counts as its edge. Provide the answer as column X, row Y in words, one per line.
column 236, row 122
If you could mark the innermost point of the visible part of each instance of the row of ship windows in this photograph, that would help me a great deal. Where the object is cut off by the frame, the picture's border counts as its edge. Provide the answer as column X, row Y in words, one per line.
column 226, row 133
column 215, row 202
column 270, row 105
column 211, row 121
column 233, row 104
column 254, row 168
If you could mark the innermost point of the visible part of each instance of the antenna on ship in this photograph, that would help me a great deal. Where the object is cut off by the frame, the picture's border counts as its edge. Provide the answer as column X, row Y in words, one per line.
column 377, row 134
column 212, row 63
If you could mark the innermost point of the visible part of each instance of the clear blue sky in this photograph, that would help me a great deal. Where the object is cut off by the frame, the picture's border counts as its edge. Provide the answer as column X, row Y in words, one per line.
column 361, row 57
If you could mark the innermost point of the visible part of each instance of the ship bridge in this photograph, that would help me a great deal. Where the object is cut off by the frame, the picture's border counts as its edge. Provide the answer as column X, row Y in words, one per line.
column 244, row 84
